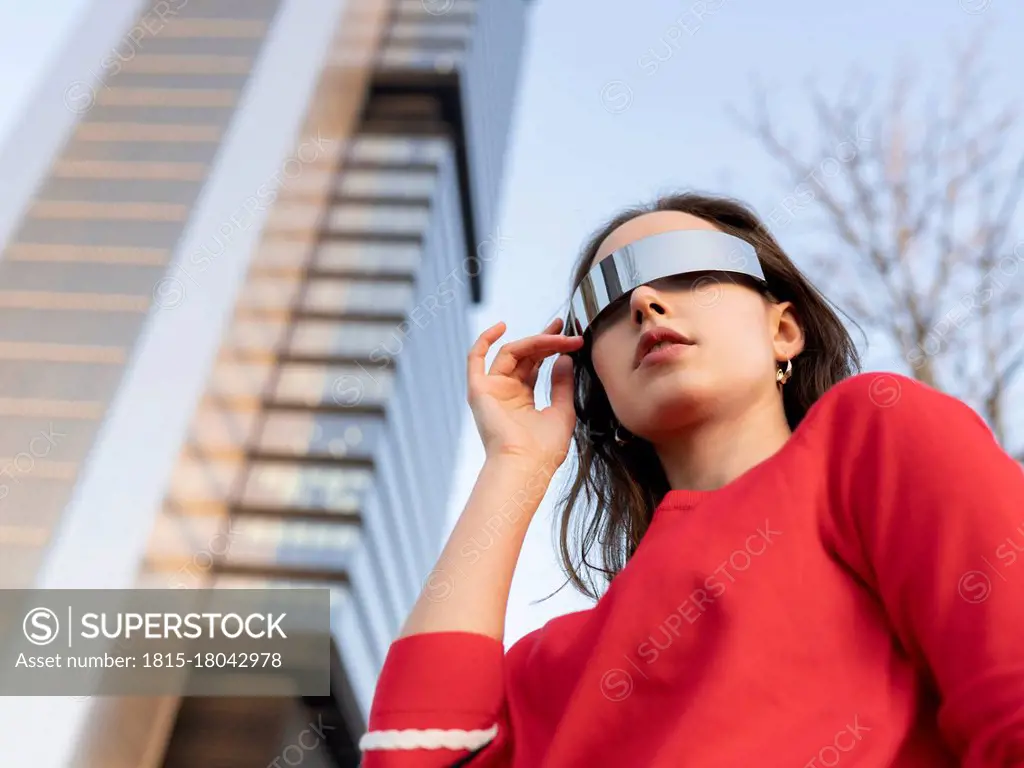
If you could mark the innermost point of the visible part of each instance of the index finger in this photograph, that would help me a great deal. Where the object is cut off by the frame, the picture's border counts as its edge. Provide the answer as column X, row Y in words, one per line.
column 540, row 346
column 475, row 362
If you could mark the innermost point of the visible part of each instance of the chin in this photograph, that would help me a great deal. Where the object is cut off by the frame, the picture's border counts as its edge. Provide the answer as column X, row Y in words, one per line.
column 681, row 383
column 676, row 399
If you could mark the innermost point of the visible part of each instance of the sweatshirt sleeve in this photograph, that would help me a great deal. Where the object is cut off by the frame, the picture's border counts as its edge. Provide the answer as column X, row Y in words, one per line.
column 439, row 702
column 931, row 517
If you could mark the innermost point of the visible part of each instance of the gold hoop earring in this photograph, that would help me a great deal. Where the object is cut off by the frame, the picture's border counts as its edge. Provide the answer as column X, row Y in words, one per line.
column 782, row 376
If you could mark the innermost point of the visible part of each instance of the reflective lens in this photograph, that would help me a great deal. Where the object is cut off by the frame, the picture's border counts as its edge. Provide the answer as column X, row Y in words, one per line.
column 666, row 254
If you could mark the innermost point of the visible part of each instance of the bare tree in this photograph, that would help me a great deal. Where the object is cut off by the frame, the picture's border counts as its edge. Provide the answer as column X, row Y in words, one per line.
column 917, row 197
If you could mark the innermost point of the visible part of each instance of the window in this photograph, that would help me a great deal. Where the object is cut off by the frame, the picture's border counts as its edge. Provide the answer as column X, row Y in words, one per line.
column 269, row 293
column 176, row 191
column 400, row 149
column 248, row 15
column 294, row 215
column 429, row 29
column 347, row 339
column 99, row 232
column 216, row 427
column 343, row 386
column 334, row 489
column 166, row 45
column 391, row 182
column 401, row 219
column 339, row 592
column 432, row 9
column 122, row 150
column 309, row 182
column 87, row 277
column 263, row 541
column 234, row 379
column 249, row 335
column 416, row 58
column 326, row 434
column 225, row 80
column 367, row 296
column 392, row 258
column 116, row 113
column 197, row 480
column 240, row 581
column 274, row 254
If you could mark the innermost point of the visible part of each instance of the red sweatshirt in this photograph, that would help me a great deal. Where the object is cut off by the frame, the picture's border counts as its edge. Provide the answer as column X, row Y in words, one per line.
column 858, row 598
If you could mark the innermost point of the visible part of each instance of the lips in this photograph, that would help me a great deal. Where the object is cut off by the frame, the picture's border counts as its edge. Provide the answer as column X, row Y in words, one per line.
column 656, row 338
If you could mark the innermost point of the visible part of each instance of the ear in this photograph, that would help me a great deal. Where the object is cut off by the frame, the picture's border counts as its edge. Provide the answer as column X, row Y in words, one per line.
column 787, row 333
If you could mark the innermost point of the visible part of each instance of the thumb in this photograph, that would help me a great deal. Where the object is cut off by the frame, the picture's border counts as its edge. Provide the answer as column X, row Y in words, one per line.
column 562, row 385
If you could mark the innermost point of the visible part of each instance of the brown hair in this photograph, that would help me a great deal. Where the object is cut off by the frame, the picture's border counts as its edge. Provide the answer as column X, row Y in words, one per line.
column 625, row 483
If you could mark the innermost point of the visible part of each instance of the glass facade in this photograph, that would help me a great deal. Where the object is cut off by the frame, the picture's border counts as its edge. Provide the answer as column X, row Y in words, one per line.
column 321, row 445
column 376, row 257
column 78, row 272
column 387, row 183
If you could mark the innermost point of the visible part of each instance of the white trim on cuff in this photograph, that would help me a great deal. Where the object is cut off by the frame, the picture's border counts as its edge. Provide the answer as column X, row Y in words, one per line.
column 433, row 738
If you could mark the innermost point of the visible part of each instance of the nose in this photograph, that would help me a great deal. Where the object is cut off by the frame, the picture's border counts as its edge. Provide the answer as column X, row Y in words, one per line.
column 644, row 303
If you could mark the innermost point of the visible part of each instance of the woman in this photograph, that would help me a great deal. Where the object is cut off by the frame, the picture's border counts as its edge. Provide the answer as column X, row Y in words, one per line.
column 805, row 565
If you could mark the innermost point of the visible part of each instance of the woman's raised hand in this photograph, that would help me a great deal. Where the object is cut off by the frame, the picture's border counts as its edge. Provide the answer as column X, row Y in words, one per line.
column 502, row 399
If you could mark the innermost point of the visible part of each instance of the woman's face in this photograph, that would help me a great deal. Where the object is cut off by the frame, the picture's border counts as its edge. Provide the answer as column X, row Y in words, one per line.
column 736, row 336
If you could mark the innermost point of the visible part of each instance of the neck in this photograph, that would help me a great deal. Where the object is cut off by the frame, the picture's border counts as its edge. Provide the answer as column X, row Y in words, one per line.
column 714, row 452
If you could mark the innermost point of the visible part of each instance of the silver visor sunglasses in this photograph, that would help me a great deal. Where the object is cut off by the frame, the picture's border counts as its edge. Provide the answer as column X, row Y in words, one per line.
column 667, row 254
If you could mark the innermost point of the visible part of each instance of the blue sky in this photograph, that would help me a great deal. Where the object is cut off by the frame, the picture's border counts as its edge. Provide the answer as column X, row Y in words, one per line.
column 30, row 35
column 601, row 125
column 575, row 159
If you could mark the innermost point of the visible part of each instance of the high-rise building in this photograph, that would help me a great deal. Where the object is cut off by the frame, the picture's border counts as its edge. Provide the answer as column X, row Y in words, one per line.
column 240, row 239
